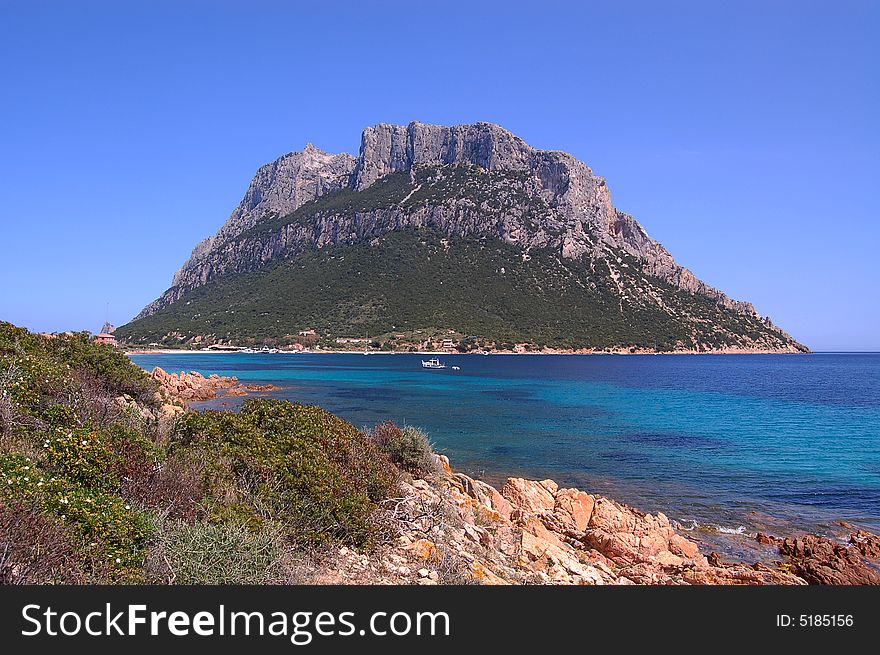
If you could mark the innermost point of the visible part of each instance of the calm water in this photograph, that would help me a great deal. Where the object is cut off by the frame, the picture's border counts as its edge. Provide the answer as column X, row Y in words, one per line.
column 722, row 444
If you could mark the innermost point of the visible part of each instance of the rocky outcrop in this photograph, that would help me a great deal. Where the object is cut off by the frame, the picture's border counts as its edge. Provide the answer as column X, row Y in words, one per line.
column 530, row 497
column 543, row 199
column 821, row 561
column 866, row 543
column 193, row 386
column 390, row 148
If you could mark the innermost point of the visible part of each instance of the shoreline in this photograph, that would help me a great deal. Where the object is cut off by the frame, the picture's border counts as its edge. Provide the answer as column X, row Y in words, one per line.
column 726, row 351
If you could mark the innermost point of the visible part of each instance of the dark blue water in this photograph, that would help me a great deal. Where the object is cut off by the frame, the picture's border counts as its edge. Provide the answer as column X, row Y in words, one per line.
column 735, row 443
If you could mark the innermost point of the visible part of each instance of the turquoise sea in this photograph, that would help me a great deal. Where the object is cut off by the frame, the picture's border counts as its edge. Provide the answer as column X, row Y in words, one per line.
column 726, row 445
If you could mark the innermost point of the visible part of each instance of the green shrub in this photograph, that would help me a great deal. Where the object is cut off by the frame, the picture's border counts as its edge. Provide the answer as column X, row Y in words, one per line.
column 29, row 375
column 113, row 368
column 276, row 457
column 58, row 379
column 408, row 448
column 220, row 501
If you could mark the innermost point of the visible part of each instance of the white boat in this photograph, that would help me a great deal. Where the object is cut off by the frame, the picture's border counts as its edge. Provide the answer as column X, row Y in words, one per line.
column 249, row 350
column 273, row 350
column 432, row 363
column 456, row 368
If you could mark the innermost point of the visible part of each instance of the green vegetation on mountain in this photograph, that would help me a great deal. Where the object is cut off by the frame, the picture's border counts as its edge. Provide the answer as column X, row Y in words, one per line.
column 410, row 281
column 98, row 484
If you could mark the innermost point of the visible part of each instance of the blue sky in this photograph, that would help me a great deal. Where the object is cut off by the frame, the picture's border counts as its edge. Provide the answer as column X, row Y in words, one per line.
column 743, row 136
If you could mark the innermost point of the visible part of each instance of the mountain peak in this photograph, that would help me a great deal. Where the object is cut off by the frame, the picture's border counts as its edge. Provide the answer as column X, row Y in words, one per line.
column 388, row 148
column 464, row 182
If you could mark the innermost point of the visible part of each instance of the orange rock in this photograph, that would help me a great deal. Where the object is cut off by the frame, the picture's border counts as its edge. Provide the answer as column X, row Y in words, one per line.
column 423, row 549
column 485, row 494
column 492, row 499
column 528, row 496
column 478, row 535
column 628, row 536
column 683, row 547
column 444, row 464
column 573, row 508
column 168, row 411
column 484, row 575
column 652, row 544
column 540, row 545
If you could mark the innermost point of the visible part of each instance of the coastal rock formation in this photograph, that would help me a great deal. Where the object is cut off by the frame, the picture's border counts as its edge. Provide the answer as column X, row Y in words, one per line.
column 186, row 387
column 459, row 184
column 821, row 561
column 453, row 529
column 866, row 543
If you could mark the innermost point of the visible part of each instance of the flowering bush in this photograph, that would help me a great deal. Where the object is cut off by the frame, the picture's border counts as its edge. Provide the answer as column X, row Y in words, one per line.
column 28, row 379
column 114, row 534
column 35, row 369
column 81, row 456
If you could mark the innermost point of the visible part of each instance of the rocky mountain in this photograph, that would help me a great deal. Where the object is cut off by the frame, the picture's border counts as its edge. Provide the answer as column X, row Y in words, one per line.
column 317, row 230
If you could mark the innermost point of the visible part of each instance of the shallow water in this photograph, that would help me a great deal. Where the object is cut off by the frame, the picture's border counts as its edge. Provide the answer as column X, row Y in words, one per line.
column 724, row 444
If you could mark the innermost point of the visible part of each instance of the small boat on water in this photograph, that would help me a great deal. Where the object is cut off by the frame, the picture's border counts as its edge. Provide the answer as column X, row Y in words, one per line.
column 456, row 368
column 248, row 351
column 433, row 363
